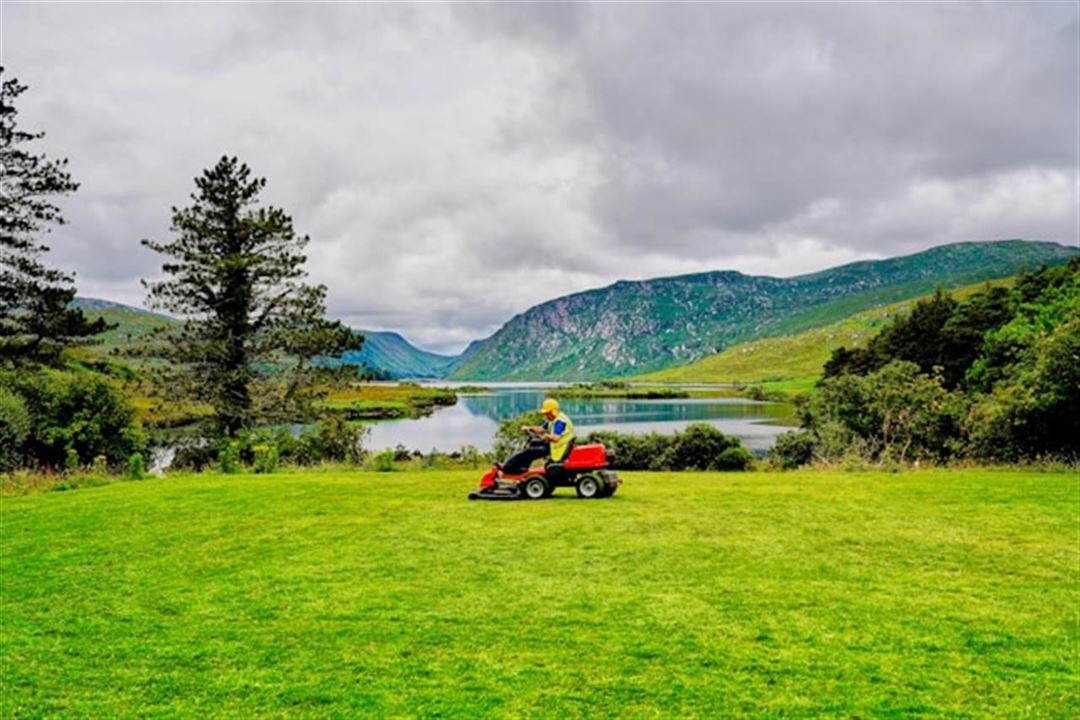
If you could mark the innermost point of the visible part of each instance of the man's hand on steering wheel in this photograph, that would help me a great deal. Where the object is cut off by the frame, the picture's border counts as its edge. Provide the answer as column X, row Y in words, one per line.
column 535, row 431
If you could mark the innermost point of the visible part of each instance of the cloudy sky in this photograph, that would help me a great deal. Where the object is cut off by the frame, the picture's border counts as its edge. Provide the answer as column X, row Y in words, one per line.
column 456, row 163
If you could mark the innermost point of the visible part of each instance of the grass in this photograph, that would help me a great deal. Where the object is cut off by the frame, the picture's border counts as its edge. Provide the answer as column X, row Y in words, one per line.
column 384, row 400
column 339, row 594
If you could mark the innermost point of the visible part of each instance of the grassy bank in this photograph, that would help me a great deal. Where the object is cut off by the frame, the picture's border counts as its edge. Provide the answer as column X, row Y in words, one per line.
column 339, row 593
column 616, row 390
column 381, row 400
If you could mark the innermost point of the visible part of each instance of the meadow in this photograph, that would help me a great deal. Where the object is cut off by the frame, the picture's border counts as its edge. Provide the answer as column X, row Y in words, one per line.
column 339, row 593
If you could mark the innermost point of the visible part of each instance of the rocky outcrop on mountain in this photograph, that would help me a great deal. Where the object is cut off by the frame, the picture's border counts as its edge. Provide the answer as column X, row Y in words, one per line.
column 635, row 327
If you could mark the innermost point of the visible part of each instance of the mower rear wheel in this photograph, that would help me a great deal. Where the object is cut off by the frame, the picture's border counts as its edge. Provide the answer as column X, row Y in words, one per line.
column 588, row 487
column 535, row 488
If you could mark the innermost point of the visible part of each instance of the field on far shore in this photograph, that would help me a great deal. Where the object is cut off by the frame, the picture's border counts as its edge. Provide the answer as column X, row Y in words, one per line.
column 339, row 593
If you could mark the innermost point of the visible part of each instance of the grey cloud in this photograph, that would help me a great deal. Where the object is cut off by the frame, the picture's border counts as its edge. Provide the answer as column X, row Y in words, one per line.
column 722, row 120
column 454, row 164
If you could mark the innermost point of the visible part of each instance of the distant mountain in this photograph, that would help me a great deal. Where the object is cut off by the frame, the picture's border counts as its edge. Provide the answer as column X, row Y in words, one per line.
column 389, row 355
column 641, row 326
column 386, row 354
column 131, row 322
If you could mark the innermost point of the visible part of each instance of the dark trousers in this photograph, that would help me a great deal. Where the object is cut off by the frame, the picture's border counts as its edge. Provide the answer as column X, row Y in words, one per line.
column 521, row 461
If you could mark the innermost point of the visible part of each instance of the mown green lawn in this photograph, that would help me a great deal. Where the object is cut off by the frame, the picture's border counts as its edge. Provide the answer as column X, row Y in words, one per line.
column 344, row 594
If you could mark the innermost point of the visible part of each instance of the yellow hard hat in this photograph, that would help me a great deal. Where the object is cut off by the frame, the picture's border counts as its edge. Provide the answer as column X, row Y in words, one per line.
column 551, row 405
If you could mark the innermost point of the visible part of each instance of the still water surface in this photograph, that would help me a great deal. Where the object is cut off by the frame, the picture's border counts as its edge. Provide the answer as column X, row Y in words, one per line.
column 475, row 418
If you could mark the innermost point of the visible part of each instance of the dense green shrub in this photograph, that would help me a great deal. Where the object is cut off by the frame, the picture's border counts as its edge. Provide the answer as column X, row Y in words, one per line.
column 229, row 457
column 14, row 429
column 100, row 466
column 264, row 458
column 334, row 439
column 734, row 458
column 76, row 412
column 383, row 461
column 1013, row 357
column 71, row 460
column 136, row 468
column 793, row 449
column 699, row 447
column 646, row 451
column 893, row 414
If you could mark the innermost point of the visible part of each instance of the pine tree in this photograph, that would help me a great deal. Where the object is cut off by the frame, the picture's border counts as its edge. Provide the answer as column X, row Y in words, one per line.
column 252, row 327
column 36, row 322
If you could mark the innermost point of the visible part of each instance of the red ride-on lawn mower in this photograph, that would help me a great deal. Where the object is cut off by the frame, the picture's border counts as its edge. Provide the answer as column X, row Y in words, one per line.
column 585, row 469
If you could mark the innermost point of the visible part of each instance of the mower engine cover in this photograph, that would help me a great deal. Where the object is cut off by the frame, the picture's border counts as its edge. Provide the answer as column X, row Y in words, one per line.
column 586, row 457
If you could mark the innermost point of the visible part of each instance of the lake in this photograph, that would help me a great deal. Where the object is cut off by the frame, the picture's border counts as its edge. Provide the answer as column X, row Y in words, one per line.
column 475, row 418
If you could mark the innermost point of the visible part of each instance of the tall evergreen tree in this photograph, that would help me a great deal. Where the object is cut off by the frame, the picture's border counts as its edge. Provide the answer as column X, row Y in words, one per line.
column 252, row 327
column 35, row 320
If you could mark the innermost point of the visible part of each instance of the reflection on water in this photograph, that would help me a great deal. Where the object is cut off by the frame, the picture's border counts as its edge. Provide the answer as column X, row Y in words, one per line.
column 475, row 418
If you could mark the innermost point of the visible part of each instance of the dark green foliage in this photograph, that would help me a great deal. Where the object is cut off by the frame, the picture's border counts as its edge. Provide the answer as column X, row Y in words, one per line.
column 264, row 458
column 384, row 461
column 733, row 458
column 229, row 456
column 646, row 451
column 136, row 469
column 35, row 320
column 919, row 338
column 71, row 460
column 1032, row 366
column 894, row 413
column 333, row 440
column 1014, row 357
column 963, row 332
column 793, row 449
column 14, row 429
column 943, row 333
column 75, row 415
column 699, row 447
column 252, row 327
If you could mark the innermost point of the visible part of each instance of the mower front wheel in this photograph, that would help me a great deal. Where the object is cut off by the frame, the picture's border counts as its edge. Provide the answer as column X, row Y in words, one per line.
column 588, row 487
column 535, row 488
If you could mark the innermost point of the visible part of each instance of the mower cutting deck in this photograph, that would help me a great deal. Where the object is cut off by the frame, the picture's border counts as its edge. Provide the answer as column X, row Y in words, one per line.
column 585, row 469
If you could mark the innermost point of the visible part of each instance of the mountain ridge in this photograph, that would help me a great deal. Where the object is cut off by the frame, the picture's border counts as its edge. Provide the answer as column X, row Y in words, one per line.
column 633, row 327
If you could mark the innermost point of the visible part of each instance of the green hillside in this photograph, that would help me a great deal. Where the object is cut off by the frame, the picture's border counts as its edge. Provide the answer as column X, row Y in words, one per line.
column 387, row 354
column 132, row 324
column 634, row 327
column 390, row 356
column 791, row 357
column 342, row 594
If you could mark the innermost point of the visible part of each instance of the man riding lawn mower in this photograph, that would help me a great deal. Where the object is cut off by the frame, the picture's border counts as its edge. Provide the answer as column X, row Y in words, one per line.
column 581, row 467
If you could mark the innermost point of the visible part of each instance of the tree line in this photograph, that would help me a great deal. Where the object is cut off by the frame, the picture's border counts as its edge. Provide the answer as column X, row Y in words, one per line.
column 995, row 377
column 234, row 273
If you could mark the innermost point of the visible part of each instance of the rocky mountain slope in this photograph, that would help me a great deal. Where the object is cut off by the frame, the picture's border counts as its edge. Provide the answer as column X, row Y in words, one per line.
column 636, row 327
